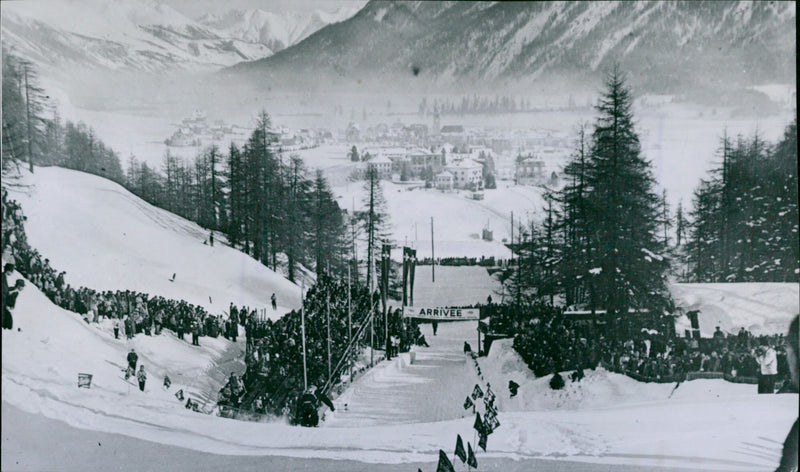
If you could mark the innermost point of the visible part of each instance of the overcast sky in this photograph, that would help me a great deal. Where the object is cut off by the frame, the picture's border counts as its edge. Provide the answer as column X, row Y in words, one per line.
column 195, row 8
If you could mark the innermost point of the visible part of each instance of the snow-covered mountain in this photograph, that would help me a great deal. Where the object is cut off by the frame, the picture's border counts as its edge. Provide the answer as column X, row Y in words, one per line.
column 668, row 47
column 119, row 35
column 277, row 31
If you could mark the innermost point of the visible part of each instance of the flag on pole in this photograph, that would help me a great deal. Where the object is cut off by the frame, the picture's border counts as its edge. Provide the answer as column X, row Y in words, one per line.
column 482, row 440
column 478, row 425
column 386, row 251
column 471, row 460
column 413, row 260
column 468, row 403
column 444, row 463
column 406, row 264
column 490, row 410
column 477, row 392
column 460, row 452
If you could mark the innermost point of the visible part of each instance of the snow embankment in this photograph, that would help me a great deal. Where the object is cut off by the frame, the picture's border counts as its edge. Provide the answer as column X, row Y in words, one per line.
column 761, row 308
column 106, row 238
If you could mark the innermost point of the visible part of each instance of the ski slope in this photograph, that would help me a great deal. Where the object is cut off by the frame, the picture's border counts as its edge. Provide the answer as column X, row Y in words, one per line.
column 106, row 238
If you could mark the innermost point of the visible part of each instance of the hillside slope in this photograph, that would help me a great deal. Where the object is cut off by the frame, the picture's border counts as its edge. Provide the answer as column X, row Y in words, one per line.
column 106, row 238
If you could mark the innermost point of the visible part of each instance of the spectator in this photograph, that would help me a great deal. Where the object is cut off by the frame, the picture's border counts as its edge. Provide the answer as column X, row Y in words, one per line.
column 10, row 296
column 789, row 457
column 768, row 363
column 274, row 301
column 133, row 358
column 141, row 376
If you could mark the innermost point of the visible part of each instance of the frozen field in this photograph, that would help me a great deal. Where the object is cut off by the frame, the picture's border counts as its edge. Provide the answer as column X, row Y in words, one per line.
column 458, row 220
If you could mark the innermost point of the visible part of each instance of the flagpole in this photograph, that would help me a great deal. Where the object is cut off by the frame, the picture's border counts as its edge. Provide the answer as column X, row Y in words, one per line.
column 303, row 331
column 372, row 317
column 328, row 324
column 349, row 318
column 433, row 256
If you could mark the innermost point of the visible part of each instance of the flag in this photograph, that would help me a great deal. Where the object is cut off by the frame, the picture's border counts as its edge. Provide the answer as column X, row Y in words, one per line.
column 490, row 422
column 179, row 394
column 386, row 250
column 478, row 426
column 471, row 460
column 490, row 397
column 477, row 392
column 482, row 441
column 413, row 260
column 444, row 463
column 406, row 264
column 84, row 380
column 460, row 452
column 490, row 410
column 468, row 403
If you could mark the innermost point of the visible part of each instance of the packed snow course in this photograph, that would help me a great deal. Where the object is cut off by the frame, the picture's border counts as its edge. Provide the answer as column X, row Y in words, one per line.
column 106, row 238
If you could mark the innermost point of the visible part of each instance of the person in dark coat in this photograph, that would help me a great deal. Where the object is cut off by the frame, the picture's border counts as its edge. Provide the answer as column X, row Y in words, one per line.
column 274, row 301
column 789, row 456
column 133, row 358
column 8, row 321
column 307, row 409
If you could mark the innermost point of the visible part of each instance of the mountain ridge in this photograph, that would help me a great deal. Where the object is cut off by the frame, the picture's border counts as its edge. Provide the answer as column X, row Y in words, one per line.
column 667, row 47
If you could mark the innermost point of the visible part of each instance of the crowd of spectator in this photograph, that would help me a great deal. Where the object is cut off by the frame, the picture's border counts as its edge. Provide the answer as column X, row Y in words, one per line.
column 549, row 341
column 274, row 376
column 132, row 312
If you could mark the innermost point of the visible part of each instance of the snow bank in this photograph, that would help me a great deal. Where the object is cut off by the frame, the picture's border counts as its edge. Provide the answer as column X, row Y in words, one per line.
column 761, row 308
column 106, row 238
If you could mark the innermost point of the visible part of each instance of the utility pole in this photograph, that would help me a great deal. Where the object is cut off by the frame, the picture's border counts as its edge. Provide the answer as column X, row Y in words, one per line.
column 433, row 256
column 349, row 318
column 303, row 332
column 328, row 325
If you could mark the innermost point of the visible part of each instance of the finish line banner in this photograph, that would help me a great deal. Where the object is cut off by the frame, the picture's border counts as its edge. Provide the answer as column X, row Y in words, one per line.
column 441, row 313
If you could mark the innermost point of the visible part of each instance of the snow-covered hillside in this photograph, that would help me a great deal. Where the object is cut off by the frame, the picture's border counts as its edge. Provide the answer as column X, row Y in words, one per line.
column 277, row 31
column 119, row 35
column 106, row 238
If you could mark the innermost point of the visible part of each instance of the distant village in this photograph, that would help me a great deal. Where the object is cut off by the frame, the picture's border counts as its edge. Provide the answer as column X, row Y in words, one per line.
column 445, row 157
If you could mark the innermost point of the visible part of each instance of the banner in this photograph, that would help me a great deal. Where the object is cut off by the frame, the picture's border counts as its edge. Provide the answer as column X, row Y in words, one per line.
column 386, row 252
column 406, row 264
column 441, row 313
column 411, row 269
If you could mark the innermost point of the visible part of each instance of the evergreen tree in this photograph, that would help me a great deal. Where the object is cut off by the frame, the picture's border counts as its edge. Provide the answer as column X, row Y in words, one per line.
column 623, row 210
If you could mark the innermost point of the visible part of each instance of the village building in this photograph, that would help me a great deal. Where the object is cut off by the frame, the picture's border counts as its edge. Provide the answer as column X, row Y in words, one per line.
column 444, row 180
column 466, row 173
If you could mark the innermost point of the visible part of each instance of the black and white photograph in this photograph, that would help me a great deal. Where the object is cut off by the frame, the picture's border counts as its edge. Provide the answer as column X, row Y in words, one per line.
column 399, row 236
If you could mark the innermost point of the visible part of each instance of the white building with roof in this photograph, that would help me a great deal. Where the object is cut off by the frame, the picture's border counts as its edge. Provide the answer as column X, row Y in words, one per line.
column 465, row 173
column 444, row 180
column 382, row 165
